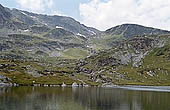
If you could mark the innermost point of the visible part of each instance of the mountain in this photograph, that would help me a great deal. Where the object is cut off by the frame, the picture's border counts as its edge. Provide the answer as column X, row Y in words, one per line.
column 111, row 37
column 130, row 30
column 51, row 50
column 4, row 15
column 9, row 21
column 67, row 23
column 29, row 33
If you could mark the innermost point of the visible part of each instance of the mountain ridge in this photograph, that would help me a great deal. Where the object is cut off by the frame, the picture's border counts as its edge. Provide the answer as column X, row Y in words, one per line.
column 128, row 29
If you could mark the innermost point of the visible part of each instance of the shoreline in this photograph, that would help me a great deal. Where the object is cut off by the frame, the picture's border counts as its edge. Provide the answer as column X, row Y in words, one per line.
column 126, row 87
column 142, row 88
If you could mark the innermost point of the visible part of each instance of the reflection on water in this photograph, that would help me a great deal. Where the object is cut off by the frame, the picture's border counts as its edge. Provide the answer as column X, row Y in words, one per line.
column 41, row 98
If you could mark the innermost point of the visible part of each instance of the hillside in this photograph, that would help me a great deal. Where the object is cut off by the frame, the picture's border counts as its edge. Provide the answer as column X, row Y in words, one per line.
column 51, row 50
column 111, row 37
column 133, row 62
column 130, row 30
column 142, row 60
column 26, row 35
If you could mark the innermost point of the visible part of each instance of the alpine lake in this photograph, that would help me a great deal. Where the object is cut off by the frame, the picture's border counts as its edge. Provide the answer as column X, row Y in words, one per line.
column 83, row 98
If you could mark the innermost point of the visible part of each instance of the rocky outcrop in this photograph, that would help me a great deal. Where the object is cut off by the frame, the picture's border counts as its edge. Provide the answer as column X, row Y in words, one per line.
column 5, row 81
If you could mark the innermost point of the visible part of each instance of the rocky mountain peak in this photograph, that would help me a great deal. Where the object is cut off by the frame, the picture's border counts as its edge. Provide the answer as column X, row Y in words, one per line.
column 130, row 30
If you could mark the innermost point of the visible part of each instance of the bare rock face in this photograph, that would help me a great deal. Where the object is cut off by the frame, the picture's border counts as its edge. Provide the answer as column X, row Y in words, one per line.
column 125, row 57
column 139, row 47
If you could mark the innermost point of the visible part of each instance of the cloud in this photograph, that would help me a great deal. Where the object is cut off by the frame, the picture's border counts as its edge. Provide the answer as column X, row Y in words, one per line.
column 104, row 14
column 36, row 5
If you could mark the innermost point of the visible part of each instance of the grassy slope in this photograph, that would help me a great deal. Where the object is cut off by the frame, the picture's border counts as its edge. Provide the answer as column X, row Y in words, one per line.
column 49, row 74
column 74, row 53
column 105, row 41
column 17, row 71
column 154, row 71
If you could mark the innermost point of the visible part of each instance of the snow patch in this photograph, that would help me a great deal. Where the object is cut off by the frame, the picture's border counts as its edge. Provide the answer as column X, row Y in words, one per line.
column 27, row 30
column 33, row 17
column 46, row 24
column 92, row 32
column 59, row 27
column 88, row 46
column 24, row 13
column 81, row 35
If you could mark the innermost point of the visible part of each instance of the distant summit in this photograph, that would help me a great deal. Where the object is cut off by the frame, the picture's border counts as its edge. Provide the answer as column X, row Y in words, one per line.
column 129, row 30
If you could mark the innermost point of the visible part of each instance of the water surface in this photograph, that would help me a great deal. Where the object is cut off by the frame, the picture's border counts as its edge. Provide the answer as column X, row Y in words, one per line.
column 53, row 98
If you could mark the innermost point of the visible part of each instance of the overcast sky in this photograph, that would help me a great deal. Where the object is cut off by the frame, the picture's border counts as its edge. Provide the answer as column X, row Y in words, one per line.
column 102, row 14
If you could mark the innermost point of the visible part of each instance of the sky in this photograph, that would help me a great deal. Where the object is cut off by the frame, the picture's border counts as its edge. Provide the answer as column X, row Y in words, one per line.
column 102, row 14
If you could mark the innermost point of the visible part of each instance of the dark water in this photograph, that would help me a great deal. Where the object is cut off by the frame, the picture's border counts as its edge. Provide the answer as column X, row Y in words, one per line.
column 40, row 98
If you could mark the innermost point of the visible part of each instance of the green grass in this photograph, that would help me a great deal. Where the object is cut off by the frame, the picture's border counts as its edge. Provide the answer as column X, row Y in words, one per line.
column 105, row 41
column 74, row 53
column 17, row 72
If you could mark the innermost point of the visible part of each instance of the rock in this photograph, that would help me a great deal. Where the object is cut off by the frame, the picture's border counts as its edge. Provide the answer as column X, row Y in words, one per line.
column 45, row 85
column 5, row 81
column 5, row 84
column 151, row 73
column 80, row 85
column 99, row 81
column 33, row 72
column 75, row 84
column 85, row 85
column 63, row 85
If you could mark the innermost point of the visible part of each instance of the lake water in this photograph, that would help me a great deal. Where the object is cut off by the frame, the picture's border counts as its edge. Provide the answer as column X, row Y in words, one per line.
column 55, row 98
